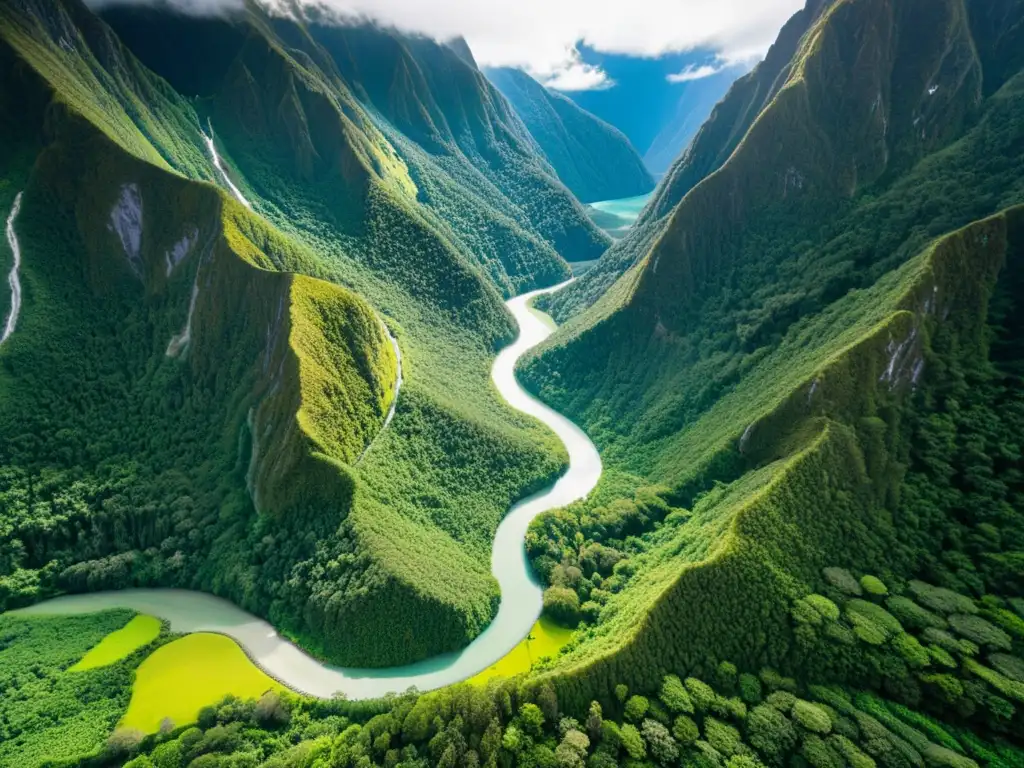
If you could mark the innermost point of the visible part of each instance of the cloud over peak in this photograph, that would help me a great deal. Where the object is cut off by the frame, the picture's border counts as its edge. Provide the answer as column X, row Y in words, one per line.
column 541, row 36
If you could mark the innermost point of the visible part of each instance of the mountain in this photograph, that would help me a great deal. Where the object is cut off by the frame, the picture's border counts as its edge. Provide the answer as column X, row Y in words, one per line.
column 804, row 370
column 717, row 138
column 593, row 159
column 825, row 283
column 216, row 249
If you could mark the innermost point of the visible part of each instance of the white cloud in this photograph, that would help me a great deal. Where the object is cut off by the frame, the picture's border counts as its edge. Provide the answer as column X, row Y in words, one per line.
column 694, row 72
column 541, row 35
column 577, row 75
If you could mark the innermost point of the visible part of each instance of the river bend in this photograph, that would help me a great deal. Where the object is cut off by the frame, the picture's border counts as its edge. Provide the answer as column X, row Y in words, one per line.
column 521, row 595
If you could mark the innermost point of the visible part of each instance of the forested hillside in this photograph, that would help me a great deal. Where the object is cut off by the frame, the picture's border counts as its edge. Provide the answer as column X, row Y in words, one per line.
column 811, row 366
column 709, row 149
column 593, row 159
column 196, row 390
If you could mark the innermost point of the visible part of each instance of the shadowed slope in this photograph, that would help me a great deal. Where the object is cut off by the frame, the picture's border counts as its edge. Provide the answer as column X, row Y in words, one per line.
column 593, row 159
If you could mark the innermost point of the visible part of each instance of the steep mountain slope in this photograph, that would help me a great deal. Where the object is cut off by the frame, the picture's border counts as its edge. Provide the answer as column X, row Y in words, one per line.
column 716, row 139
column 193, row 384
column 769, row 362
column 593, row 159
column 461, row 124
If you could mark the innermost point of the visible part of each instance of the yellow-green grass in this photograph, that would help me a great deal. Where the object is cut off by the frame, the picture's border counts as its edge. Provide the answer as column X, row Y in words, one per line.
column 545, row 639
column 182, row 677
column 140, row 631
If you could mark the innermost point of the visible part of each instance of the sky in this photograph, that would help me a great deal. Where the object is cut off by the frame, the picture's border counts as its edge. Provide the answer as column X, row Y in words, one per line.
column 545, row 37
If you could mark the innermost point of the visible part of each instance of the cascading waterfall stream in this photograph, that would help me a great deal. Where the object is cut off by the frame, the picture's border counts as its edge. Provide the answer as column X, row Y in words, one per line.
column 212, row 149
column 521, row 595
column 13, row 279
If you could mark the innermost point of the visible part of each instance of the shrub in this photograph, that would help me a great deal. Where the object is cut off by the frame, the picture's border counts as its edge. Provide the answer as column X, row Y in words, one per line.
column 843, row 580
column 1007, row 687
column 674, row 695
column 940, row 757
column 854, row 757
column 750, row 688
column 611, row 735
column 834, row 697
column 980, row 631
column 632, row 742
column 270, row 711
column 685, row 730
column 636, row 708
column 776, row 682
column 942, row 639
column 825, row 607
column 811, row 716
column 770, row 732
column 873, row 585
column 702, row 695
column 743, row 761
column 820, row 754
column 563, row 605
column 660, row 743
column 531, row 719
column 941, row 657
column 942, row 600
column 911, row 651
column 946, row 687
column 124, row 741
column 875, row 613
column 913, row 616
column 725, row 677
column 782, row 700
column 722, row 736
column 1010, row 666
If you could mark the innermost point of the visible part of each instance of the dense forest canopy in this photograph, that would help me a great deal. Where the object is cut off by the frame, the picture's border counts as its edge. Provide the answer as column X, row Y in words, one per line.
column 802, row 367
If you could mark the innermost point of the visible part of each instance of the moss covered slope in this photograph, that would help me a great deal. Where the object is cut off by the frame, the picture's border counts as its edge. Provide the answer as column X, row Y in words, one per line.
column 760, row 362
column 191, row 390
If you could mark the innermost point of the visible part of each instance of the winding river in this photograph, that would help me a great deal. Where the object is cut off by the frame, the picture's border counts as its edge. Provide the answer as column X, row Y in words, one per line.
column 13, row 279
column 521, row 595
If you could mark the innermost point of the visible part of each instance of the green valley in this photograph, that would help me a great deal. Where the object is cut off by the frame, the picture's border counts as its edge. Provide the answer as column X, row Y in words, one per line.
column 315, row 455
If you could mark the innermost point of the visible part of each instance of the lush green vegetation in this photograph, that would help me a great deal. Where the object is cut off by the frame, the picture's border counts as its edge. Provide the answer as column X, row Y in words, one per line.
column 46, row 710
column 212, row 412
column 810, row 377
column 593, row 159
column 732, row 718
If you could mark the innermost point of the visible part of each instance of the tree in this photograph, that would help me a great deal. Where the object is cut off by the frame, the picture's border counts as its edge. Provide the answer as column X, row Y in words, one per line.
column 685, row 730
column 531, row 719
column 563, row 605
column 632, row 742
column 674, row 695
column 271, row 711
column 547, row 700
column 594, row 721
column 660, row 743
column 124, row 741
column 636, row 708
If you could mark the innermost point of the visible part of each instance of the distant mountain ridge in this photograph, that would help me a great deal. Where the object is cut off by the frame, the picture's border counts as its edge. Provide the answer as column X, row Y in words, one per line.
column 592, row 158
